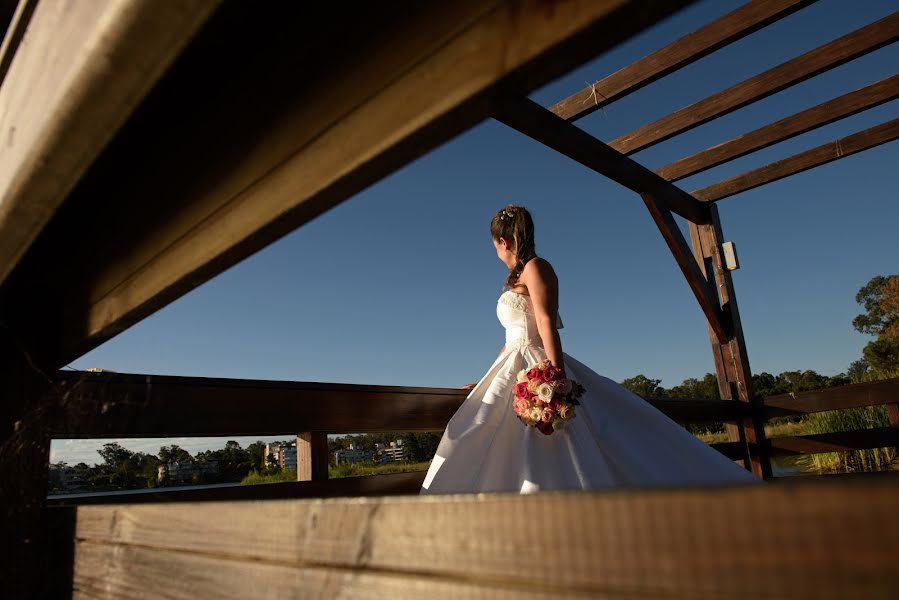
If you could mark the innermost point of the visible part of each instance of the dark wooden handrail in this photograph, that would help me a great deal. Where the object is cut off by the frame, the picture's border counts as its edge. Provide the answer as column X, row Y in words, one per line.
column 845, row 396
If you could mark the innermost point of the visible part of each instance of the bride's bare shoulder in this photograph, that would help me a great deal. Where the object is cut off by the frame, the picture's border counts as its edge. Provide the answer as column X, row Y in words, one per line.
column 539, row 268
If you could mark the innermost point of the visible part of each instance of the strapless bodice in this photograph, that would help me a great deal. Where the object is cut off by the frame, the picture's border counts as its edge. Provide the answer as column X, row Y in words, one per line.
column 516, row 314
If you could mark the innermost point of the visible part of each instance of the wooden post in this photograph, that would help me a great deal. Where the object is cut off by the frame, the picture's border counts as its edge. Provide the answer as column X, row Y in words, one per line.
column 731, row 361
column 32, row 541
column 312, row 456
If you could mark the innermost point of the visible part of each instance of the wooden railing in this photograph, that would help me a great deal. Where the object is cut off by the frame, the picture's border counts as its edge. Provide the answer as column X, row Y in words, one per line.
column 125, row 405
column 877, row 393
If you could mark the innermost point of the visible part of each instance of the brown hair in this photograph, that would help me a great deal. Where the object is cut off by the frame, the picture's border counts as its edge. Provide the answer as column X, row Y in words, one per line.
column 514, row 224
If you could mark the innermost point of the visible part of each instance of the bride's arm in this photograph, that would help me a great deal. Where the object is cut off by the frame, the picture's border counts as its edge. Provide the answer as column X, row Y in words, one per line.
column 543, row 287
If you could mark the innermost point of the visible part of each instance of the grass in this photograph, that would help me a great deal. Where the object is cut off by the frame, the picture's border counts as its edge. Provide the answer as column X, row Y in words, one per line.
column 868, row 417
column 255, row 477
column 370, row 468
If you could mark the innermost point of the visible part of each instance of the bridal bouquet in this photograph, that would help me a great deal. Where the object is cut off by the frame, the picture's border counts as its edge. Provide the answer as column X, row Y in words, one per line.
column 545, row 398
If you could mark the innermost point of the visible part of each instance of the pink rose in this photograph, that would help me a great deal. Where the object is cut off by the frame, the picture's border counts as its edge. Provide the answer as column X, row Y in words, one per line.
column 547, row 415
column 521, row 406
column 534, row 374
column 521, row 390
column 553, row 373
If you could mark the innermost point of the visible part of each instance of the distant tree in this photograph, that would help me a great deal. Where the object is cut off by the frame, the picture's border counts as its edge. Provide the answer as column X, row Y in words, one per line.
column 174, row 453
column 645, row 387
column 114, row 455
column 882, row 354
column 857, row 370
column 880, row 298
column 697, row 389
column 256, row 451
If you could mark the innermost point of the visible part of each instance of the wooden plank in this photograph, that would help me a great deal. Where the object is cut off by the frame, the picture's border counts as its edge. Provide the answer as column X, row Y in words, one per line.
column 821, row 59
column 712, row 36
column 839, row 441
column 536, row 122
column 135, row 572
column 279, row 149
column 615, row 544
column 117, row 404
column 108, row 404
column 80, row 71
column 820, row 155
column 845, row 396
column 788, row 127
column 700, row 411
column 14, row 19
column 312, row 456
column 698, row 283
column 394, row 484
column 731, row 359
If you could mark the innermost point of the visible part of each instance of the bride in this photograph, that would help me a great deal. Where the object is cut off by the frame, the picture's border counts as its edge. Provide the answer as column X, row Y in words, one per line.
column 615, row 438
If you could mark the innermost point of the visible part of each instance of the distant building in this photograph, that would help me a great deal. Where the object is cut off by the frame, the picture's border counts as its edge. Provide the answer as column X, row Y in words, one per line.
column 184, row 470
column 352, row 455
column 283, row 454
column 391, row 453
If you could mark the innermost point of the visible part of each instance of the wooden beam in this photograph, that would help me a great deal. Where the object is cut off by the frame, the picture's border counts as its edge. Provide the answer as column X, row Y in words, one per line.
column 845, row 396
column 80, row 72
column 721, row 32
column 279, row 149
column 730, row 356
column 817, row 116
column 686, row 410
column 536, row 122
column 697, row 281
column 312, row 456
column 837, row 441
column 617, row 544
column 109, row 404
column 394, row 484
column 821, row 155
column 826, row 57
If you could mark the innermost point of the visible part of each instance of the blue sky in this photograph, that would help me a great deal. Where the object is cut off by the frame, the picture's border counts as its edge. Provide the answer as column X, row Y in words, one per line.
column 398, row 285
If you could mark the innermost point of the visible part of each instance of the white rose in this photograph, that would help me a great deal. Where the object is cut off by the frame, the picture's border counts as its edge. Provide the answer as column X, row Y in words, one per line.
column 545, row 392
column 536, row 414
column 522, row 375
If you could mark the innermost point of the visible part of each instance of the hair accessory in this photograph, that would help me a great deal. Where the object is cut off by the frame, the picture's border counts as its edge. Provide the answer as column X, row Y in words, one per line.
column 507, row 212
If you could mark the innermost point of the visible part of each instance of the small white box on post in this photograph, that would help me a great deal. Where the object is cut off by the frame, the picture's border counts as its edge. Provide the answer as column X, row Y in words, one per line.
column 730, row 256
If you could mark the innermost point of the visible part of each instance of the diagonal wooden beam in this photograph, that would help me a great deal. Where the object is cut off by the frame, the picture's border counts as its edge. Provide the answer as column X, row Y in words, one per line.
column 288, row 125
column 733, row 26
column 826, row 57
column 823, row 154
column 817, row 116
column 698, row 283
column 80, row 70
column 540, row 124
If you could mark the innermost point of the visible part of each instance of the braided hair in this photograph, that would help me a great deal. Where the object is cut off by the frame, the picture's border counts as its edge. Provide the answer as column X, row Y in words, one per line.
column 515, row 225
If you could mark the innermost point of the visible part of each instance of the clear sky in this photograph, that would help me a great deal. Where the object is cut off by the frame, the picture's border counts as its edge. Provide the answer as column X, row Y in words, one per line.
column 398, row 285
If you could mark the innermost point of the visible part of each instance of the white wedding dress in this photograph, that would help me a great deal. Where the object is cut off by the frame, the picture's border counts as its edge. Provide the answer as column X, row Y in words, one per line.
column 616, row 438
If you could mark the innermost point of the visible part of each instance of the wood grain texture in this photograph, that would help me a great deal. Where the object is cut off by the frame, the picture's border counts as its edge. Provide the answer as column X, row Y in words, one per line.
column 279, row 149
column 821, row 59
column 712, row 36
column 818, row 540
column 78, row 73
column 111, row 404
column 784, row 129
column 820, row 155
column 845, row 396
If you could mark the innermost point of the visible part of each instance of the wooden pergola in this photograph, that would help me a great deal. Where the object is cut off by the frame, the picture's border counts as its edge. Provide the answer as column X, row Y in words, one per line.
column 147, row 147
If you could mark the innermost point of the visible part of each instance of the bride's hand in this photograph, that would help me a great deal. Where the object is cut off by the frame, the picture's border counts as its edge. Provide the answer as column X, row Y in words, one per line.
column 469, row 386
